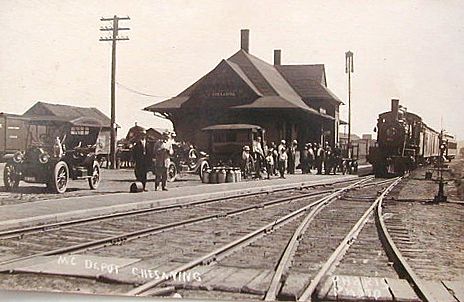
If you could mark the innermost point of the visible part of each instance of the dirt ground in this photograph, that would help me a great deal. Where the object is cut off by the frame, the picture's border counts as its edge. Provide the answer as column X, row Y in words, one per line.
column 416, row 187
column 434, row 231
column 113, row 181
column 457, row 173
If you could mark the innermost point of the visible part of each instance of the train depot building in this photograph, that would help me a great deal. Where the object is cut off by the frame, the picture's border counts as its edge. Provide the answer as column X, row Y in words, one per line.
column 288, row 101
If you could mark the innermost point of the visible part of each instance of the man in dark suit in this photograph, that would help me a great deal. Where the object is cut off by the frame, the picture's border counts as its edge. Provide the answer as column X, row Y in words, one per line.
column 142, row 159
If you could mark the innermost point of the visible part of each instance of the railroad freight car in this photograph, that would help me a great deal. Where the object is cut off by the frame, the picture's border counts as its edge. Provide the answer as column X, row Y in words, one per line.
column 13, row 132
column 403, row 142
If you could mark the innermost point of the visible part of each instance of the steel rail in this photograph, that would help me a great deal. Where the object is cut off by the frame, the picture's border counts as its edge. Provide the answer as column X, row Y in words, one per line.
column 284, row 262
column 276, row 281
column 238, row 243
column 400, row 263
column 57, row 225
column 349, row 239
column 118, row 239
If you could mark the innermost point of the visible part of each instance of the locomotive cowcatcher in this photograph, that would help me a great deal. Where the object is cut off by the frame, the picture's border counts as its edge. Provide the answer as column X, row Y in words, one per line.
column 403, row 142
column 57, row 150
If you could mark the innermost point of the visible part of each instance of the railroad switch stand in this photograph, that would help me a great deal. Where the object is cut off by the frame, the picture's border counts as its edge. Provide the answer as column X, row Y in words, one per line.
column 440, row 197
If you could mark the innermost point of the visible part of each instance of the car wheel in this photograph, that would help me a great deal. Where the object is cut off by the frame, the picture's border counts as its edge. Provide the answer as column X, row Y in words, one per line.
column 172, row 172
column 10, row 178
column 94, row 179
column 60, row 178
column 203, row 167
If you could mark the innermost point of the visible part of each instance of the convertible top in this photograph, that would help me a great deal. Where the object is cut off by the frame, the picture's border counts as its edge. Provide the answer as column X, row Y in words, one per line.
column 51, row 119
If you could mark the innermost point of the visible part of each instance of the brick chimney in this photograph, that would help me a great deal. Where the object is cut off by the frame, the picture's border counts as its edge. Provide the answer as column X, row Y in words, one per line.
column 277, row 56
column 245, row 40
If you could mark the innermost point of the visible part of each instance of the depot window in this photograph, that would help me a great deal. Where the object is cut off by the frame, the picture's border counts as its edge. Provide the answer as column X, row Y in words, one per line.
column 80, row 130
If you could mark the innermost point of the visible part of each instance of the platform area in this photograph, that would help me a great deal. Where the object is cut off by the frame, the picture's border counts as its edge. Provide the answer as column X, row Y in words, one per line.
column 54, row 210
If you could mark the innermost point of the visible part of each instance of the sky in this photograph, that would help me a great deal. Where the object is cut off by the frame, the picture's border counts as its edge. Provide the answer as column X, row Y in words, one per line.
column 411, row 50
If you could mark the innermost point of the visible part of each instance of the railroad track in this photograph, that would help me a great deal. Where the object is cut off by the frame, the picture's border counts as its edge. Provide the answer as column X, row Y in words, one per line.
column 245, row 219
column 17, row 232
column 300, row 269
column 279, row 228
column 82, row 234
column 288, row 244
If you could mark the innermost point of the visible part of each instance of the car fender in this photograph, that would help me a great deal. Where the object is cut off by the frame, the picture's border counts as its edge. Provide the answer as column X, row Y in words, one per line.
column 7, row 158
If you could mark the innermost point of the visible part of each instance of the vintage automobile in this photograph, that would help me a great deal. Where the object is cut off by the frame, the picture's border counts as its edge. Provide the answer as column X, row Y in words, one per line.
column 187, row 159
column 228, row 140
column 57, row 150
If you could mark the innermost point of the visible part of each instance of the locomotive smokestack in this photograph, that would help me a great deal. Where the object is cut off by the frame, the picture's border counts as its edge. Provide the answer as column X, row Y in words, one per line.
column 245, row 40
column 395, row 108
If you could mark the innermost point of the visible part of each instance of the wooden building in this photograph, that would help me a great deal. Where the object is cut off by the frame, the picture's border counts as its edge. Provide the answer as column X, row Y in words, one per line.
column 289, row 101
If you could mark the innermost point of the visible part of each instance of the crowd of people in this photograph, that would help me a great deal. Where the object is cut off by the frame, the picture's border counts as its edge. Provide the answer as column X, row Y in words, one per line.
column 281, row 159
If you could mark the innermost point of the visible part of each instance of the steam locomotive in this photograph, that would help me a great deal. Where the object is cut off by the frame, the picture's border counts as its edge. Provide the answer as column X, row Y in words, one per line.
column 405, row 141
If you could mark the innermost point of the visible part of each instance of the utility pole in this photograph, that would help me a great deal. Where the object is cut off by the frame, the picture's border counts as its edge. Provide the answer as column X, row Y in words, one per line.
column 349, row 68
column 113, row 38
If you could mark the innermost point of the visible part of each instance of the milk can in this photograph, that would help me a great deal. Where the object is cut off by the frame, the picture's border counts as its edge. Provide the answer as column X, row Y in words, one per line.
column 213, row 177
column 230, row 176
column 221, row 175
column 238, row 174
column 205, row 176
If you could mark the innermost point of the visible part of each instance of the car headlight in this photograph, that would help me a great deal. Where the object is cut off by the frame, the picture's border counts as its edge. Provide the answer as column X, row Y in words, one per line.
column 18, row 157
column 44, row 158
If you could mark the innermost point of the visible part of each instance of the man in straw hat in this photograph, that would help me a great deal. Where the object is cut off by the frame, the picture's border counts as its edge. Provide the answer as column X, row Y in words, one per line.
column 283, row 157
column 163, row 153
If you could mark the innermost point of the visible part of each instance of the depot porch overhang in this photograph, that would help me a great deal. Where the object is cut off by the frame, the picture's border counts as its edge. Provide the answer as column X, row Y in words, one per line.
column 261, row 104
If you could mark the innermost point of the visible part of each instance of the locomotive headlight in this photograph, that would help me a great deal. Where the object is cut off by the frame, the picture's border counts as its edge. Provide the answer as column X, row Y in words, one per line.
column 18, row 157
column 44, row 158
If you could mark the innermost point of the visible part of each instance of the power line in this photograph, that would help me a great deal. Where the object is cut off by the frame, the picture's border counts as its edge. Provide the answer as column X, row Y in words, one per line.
column 139, row 92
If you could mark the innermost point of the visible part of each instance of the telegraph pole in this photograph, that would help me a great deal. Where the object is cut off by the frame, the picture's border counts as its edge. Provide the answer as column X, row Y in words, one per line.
column 349, row 68
column 113, row 38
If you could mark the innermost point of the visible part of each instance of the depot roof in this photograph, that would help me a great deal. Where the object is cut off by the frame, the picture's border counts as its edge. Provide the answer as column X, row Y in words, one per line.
column 281, row 86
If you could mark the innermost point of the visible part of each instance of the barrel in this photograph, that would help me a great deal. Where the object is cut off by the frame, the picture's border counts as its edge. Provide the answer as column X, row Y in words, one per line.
column 136, row 187
column 213, row 177
column 205, row 176
column 221, row 176
column 230, row 176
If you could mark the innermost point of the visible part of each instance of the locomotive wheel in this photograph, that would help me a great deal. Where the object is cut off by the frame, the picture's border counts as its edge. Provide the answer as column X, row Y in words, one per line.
column 172, row 172
column 94, row 179
column 203, row 167
column 60, row 178
column 10, row 178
